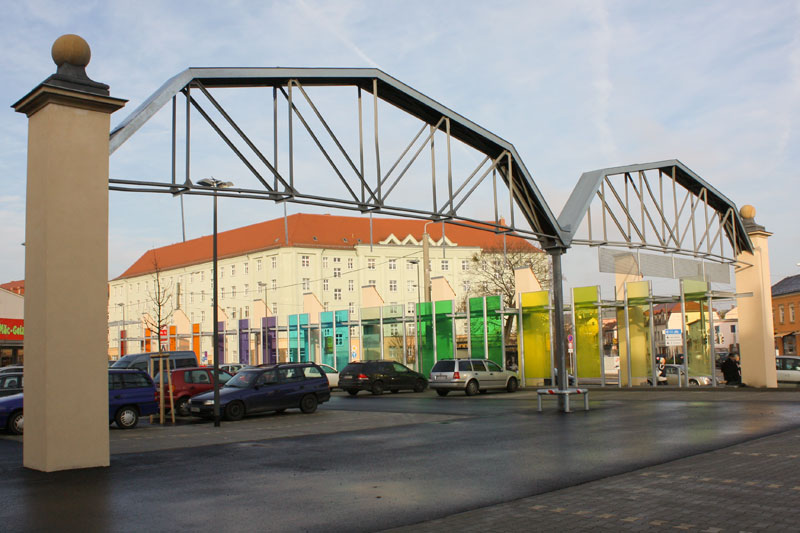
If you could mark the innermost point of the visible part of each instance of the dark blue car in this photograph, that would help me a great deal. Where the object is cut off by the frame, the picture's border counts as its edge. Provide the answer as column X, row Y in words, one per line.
column 268, row 388
column 131, row 394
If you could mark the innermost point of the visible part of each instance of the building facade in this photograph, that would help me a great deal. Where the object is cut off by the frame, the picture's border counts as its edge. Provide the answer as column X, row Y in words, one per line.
column 785, row 306
column 271, row 269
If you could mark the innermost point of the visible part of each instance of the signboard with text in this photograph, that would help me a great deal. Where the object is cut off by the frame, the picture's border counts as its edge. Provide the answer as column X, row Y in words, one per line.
column 673, row 337
column 12, row 329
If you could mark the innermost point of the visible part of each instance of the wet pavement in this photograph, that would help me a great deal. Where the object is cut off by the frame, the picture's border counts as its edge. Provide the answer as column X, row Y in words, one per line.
column 672, row 460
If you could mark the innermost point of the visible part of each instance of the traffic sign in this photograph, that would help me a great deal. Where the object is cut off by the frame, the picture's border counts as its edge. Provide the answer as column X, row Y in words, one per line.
column 569, row 337
column 673, row 337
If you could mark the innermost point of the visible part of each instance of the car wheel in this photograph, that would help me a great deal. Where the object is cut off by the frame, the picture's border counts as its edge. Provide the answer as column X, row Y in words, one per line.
column 377, row 388
column 182, row 406
column 472, row 388
column 419, row 386
column 694, row 382
column 234, row 411
column 513, row 385
column 15, row 423
column 308, row 404
column 442, row 392
column 352, row 392
column 127, row 417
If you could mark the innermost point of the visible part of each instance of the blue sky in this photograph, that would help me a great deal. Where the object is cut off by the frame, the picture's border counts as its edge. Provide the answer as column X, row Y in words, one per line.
column 574, row 85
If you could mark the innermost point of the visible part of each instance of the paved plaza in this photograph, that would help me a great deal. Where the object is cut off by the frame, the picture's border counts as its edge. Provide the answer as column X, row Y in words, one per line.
column 667, row 460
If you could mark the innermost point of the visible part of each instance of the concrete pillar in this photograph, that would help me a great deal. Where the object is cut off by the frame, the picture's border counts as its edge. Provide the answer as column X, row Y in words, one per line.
column 756, row 345
column 66, row 272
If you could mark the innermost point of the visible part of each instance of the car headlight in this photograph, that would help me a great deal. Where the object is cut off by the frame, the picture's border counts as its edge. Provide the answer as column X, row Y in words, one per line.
column 208, row 402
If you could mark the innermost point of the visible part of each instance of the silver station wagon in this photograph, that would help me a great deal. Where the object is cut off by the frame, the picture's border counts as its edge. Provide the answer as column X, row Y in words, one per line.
column 471, row 376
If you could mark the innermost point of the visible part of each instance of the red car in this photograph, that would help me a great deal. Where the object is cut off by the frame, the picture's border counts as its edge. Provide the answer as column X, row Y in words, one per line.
column 188, row 382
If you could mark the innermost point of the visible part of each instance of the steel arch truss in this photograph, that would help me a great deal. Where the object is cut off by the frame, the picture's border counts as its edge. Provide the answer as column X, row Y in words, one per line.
column 661, row 206
column 362, row 189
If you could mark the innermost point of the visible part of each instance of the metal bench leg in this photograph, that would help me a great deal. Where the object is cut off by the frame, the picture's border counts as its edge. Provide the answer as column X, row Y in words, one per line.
column 539, row 398
column 566, row 403
column 586, row 401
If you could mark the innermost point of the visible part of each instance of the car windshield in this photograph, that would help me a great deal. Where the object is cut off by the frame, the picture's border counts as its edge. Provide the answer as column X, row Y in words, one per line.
column 242, row 379
column 122, row 363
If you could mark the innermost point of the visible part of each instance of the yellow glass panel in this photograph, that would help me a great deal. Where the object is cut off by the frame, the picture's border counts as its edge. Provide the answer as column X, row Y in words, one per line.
column 536, row 334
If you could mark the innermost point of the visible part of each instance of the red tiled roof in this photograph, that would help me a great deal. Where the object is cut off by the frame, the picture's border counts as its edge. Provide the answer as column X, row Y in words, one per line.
column 310, row 230
column 17, row 287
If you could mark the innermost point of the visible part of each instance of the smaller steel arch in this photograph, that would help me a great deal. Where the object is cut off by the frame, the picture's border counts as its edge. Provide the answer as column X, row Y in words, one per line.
column 591, row 186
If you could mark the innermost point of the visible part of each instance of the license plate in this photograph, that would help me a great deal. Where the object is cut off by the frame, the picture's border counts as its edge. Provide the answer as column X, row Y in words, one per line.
column 195, row 409
column 438, row 378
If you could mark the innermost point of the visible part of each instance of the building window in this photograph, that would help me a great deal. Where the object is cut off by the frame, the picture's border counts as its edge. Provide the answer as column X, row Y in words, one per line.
column 233, row 313
column 222, row 294
column 372, row 282
column 410, row 265
column 247, row 311
column 337, row 294
column 324, row 262
column 392, row 264
column 781, row 316
column 274, row 308
column 247, row 268
column 351, row 307
column 350, row 263
column 233, row 270
column 392, row 285
column 202, row 275
column 371, row 263
column 202, row 296
column 410, row 286
column 246, row 289
column 258, row 265
column 337, row 259
column 465, row 287
column 191, row 297
column 337, row 272
column 274, row 284
column 233, row 291
column 733, row 328
column 324, row 284
column 221, row 272
column 445, row 264
column 464, row 265
column 274, row 260
column 791, row 312
column 306, row 284
column 202, row 316
column 351, row 285
column 305, row 261
column 410, row 308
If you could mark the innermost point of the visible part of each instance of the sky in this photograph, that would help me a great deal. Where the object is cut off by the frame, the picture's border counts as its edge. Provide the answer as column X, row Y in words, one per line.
column 573, row 85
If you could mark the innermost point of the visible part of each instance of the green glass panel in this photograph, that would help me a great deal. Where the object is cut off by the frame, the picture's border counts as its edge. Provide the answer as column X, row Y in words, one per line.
column 536, row 335
column 638, row 325
column 695, row 295
column 306, row 353
column 294, row 352
column 371, row 333
column 476, row 325
column 444, row 330
column 342, row 339
column 494, row 329
column 327, row 338
column 587, row 324
column 425, row 336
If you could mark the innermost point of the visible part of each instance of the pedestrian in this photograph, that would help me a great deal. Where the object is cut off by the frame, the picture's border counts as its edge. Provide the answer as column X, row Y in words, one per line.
column 730, row 369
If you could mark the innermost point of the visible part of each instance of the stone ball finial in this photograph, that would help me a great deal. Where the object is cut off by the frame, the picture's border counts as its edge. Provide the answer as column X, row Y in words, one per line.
column 71, row 49
column 748, row 211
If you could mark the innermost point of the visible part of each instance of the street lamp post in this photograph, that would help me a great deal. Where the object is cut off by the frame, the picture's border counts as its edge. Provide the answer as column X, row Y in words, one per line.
column 215, row 185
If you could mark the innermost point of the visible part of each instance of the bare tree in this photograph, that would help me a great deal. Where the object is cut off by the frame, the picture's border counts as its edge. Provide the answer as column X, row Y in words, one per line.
column 493, row 269
column 160, row 300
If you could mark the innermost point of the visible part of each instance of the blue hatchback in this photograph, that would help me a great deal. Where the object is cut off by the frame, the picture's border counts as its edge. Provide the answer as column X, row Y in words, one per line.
column 269, row 388
column 131, row 394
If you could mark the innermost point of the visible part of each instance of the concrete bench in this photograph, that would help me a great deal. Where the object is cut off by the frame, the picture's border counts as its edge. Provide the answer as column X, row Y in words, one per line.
column 565, row 393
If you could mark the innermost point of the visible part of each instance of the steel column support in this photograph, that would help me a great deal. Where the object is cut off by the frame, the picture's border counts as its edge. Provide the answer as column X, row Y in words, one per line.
column 558, row 324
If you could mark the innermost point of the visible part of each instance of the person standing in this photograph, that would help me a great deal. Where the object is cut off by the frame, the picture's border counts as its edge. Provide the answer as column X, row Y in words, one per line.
column 731, row 371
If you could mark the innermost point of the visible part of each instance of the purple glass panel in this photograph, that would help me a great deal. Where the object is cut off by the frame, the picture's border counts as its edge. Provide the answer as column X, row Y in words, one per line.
column 272, row 339
column 221, row 341
column 244, row 341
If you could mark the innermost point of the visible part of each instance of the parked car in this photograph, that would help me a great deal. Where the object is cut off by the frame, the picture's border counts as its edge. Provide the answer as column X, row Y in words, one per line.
column 471, row 376
column 11, row 413
column 378, row 376
column 788, row 369
column 11, row 368
column 131, row 394
column 188, row 382
column 141, row 361
column 672, row 376
column 570, row 379
column 269, row 388
column 233, row 368
column 332, row 374
column 10, row 383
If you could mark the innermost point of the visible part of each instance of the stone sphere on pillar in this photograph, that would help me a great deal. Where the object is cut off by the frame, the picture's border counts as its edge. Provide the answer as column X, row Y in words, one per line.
column 72, row 49
column 748, row 211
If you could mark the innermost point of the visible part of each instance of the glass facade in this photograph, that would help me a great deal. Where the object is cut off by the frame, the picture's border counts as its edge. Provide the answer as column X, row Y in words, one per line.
column 371, row 333
column 535, row 344
column 425, row 337
column 695, row 294
column 637, row 328
column 586, row 313
column 342, row 338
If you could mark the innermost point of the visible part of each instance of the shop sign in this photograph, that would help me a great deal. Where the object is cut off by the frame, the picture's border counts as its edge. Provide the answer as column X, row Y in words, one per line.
column 12, row 329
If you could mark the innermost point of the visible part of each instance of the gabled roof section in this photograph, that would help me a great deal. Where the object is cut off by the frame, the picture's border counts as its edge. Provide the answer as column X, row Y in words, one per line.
column 527, row 195
column 590, row 182
column 311, row 231
column 790, row 285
